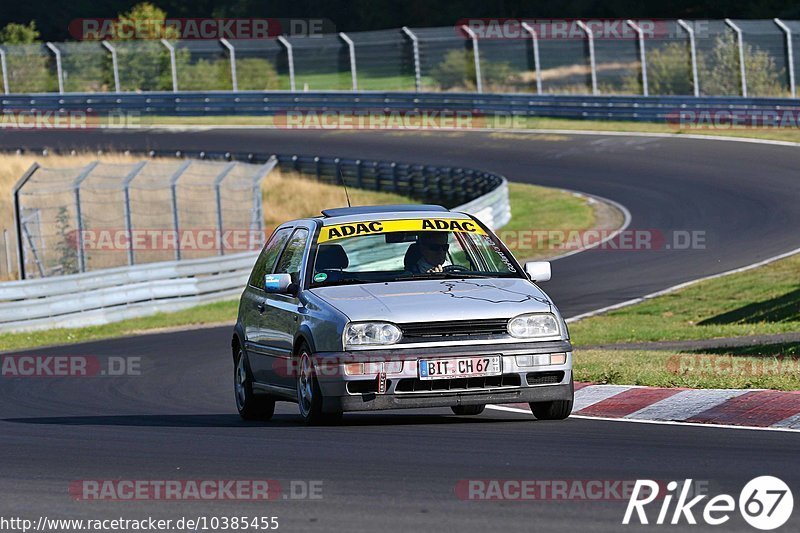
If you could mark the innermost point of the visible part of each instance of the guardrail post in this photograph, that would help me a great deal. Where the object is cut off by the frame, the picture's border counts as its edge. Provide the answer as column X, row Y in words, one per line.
column 18, row 216
column 415, row 49
column 290, row 59
column 173, row 65
column 114, row 64
column 4, row 66
column 232, row 54
column 218, row 192
column 536, row 66
column 127, row 197
column 789, row 55
column 173, row 184
column 642, row 54
column 592, row 61
column 352, row 47
column 693, row 54
column 59, row 71
column 79, row 213
column 476, row 56
column 740, row 41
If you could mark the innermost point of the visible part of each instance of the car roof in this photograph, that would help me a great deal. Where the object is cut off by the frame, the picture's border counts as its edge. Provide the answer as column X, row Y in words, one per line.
column 343, row 215
column 365, row 209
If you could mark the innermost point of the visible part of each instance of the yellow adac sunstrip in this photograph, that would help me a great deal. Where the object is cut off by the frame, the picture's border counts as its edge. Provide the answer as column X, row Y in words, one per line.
column 373, row 227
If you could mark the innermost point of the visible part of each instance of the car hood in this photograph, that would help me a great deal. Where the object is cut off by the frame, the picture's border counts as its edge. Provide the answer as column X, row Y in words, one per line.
column 436, row 300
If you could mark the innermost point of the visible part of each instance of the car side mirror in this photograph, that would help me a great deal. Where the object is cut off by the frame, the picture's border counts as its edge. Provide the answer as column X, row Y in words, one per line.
column 538, row 270
column 279, row 284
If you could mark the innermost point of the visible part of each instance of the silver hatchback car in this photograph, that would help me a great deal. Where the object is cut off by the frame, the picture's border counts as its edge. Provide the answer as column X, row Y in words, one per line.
column 403, row 306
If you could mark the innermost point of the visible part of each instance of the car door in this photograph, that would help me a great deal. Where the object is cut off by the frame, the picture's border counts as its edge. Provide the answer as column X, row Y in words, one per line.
column 253, row 305
column 280, row 318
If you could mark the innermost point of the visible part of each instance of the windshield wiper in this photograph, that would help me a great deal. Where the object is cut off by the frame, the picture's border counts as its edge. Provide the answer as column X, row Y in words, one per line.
column 439, row 275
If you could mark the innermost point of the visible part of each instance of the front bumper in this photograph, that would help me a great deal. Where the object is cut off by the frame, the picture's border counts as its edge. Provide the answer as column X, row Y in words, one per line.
column 405, row 390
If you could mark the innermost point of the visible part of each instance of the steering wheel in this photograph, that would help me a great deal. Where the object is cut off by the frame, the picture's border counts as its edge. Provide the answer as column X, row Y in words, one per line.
column 455, row 268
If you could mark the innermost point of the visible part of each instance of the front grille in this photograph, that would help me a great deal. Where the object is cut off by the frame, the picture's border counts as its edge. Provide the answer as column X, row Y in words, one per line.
column 454, row 328
column 457, row 384
column 544, row 378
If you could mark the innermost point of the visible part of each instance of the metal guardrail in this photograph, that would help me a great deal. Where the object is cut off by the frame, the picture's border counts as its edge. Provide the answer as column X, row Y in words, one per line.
column 639, row 108
column 115, row 294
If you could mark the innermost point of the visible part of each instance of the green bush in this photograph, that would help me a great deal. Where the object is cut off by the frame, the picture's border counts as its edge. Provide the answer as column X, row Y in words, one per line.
column 457, row 71
column 669, row 70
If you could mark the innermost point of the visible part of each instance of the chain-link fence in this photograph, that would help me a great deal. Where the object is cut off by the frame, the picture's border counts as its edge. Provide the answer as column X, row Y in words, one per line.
column 106, row 215
column 702, row 57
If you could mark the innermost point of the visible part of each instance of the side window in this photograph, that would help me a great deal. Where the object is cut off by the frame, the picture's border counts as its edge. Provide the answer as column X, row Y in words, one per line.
column 291, row 260
column 269, row 254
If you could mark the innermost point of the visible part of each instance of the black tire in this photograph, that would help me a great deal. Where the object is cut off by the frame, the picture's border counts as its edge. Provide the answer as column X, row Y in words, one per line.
column 309, row 395
column 468, row 410
column 251, row 406
column 555, row 410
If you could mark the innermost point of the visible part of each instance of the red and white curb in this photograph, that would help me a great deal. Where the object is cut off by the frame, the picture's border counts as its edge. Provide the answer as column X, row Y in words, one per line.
column 741, row 408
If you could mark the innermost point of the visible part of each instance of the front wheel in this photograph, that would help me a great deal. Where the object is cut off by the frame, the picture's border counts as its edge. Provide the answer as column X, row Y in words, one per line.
column 309, row 395
column 468, row 410
column 555, row 410
column 249, row 405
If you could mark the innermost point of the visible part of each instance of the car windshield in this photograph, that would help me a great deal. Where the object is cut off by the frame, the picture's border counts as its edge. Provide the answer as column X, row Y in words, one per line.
column 398, row 250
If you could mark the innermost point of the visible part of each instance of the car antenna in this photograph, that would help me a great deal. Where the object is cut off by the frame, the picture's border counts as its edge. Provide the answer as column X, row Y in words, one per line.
column 341, row 177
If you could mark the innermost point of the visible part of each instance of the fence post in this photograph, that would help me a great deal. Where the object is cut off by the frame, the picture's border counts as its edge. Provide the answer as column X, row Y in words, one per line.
column 232, row 54
column 8, row 252
column 642, row 54
column 59, row 71
column 693, row 53
column 352, row 47
column 4, row 67
column 114, row 64
column 535, row 41
column 172, row 62
column 257, row 218
column 789, row 55
column 477, row 57
column 740, row 41
column 173, row 184
column 18, row 216
column 79, row 222
column 126, row 192
column 290, row 58
column 218, row 192
column 415, row 49
column 592, row 62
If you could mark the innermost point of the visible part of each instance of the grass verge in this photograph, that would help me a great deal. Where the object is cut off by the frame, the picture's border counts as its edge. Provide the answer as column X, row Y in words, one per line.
column 761, row 301
column 697, row 371
column 533, row 123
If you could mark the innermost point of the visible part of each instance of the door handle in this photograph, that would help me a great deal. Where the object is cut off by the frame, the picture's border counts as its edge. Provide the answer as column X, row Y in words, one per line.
column 261, row 307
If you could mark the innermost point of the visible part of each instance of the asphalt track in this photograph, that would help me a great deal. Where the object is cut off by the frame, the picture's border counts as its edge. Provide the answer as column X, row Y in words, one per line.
column 398, row 471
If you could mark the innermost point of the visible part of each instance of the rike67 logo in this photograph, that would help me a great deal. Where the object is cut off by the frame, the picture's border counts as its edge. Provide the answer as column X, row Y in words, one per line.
column 765, row 503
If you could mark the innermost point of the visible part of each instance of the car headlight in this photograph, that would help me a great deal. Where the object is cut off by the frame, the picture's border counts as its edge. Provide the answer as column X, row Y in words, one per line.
column 366, row 333
column 533, row 325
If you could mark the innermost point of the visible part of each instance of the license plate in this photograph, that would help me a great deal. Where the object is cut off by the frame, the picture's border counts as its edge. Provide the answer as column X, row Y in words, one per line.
column 461, row 367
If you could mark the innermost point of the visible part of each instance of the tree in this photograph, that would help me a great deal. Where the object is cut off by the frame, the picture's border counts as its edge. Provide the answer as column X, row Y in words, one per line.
column 15, row 33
